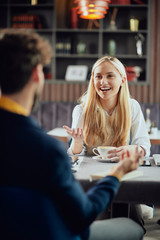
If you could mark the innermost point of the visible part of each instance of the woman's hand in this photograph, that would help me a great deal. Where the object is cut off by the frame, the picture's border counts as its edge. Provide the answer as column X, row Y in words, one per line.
column 117, row 152
column 77, row 139
column 76, row 134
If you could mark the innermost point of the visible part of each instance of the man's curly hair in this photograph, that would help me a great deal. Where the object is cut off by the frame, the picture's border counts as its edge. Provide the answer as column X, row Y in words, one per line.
column 21, row 51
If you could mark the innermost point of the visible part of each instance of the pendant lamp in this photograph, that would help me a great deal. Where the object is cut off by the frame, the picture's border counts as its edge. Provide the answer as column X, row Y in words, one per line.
column 92, row 9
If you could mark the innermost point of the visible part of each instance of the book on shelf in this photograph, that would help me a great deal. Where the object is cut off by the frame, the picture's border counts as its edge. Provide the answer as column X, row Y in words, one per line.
column 26, row 21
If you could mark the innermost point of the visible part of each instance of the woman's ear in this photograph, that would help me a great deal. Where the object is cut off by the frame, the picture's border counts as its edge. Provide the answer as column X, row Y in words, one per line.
column 123, row 81
column 35, row 74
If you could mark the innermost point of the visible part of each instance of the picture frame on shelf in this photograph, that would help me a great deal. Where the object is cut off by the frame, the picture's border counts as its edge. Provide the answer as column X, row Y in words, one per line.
column 76, row 73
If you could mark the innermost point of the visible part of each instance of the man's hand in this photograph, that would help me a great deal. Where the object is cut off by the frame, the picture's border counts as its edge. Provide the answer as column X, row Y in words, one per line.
column 119, row 151
column 129, row 161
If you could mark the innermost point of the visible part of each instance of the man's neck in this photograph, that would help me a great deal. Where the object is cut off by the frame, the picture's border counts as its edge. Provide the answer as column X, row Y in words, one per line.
column 23, row 98
column 10, row 105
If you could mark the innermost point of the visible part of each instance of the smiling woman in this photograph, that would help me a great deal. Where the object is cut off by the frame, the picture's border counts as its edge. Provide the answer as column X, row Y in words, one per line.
column 107, row 115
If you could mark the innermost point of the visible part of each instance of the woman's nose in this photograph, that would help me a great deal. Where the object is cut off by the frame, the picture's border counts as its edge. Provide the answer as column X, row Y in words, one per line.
column 104, row 79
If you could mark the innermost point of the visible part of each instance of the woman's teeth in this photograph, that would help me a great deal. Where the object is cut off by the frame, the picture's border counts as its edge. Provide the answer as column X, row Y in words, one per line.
column 105, row 89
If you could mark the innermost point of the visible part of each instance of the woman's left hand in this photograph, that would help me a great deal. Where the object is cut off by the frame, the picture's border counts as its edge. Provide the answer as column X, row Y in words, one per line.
column 118, row 151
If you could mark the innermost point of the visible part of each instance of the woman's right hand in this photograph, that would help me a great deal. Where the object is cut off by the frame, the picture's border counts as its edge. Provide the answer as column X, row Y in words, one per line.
column 77, row 137
column 76, row 134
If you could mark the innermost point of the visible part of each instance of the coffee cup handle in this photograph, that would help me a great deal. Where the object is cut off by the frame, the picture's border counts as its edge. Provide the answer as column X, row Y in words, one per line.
column 95, row 149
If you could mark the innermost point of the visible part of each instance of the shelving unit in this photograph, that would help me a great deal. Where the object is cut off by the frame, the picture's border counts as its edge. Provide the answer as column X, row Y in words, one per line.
column 96, row 39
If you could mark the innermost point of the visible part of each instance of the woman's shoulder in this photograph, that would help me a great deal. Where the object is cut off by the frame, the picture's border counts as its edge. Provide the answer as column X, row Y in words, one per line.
column 135, row 108
column 77, row 116
column 134, row 103
column 78, row 107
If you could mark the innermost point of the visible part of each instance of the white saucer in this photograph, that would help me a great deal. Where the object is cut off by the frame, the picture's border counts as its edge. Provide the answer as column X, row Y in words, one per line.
column 109, row 160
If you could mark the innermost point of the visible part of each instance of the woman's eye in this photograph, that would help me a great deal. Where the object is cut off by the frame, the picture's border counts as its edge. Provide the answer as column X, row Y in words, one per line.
column 98, row 77
column 110, row 75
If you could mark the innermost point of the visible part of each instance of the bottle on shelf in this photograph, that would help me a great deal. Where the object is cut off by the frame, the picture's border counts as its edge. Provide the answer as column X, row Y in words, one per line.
column 81, row 47
column 148, row 120
column 34, row 2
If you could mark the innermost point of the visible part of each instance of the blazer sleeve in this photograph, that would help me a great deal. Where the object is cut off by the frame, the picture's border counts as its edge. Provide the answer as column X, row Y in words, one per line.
column 79, row 209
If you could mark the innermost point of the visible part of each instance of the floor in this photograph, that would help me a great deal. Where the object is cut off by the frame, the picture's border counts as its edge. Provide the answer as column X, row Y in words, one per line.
column 153, row 229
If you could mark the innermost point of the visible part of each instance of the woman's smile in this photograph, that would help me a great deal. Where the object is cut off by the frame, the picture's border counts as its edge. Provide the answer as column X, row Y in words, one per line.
column 105, row 89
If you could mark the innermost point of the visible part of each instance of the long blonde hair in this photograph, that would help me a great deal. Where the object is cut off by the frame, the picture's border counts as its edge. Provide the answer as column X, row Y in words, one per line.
column 94, row 123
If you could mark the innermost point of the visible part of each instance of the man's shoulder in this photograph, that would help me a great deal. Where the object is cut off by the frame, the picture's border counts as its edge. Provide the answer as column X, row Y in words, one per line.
column 43, row 138
column 40, row 139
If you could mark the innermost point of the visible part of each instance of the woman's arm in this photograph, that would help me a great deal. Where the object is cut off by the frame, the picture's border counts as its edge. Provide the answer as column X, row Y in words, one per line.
column 139, row 133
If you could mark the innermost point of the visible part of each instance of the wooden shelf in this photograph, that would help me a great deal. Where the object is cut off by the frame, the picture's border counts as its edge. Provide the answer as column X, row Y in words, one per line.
column 128, row 5
column 27, row 5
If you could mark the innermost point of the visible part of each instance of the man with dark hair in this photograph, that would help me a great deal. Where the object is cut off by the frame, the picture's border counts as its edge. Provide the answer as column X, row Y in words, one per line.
column 32, row 159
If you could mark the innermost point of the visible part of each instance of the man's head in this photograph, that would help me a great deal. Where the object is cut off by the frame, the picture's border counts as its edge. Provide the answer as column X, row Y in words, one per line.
column 21, row 52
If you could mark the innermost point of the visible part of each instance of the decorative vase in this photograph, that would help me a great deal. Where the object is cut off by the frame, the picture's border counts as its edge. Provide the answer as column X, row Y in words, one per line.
column 111, row 47
column 81, row 47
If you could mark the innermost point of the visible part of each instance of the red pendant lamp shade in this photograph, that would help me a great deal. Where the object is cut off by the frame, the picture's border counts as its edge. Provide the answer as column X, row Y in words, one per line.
column 92, row 9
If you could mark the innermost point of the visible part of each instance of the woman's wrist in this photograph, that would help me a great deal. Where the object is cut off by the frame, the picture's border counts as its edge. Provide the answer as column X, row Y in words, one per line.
column 77, row 146
column 78, row 142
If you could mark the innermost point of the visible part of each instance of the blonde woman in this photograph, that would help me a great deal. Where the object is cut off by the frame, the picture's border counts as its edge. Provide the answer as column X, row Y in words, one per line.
column 107, row 114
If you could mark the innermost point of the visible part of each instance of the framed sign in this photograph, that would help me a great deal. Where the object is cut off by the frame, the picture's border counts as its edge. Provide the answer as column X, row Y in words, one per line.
column 76, row 73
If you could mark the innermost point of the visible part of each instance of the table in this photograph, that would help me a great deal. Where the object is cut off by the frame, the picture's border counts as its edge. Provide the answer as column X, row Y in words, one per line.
column 144, row 189
column 60, row 134
column 155, row 138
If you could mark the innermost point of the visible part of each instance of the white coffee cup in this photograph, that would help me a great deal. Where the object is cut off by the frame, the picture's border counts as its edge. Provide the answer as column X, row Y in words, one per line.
column 102, row 151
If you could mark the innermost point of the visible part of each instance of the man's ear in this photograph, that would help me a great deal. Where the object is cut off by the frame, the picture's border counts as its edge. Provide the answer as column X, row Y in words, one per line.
column 35, row 74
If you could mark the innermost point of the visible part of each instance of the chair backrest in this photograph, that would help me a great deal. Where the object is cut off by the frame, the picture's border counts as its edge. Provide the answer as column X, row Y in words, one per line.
column 29, row 215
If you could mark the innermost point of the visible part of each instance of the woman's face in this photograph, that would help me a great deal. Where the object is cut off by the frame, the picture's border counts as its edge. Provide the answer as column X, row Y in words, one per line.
column 107, row 81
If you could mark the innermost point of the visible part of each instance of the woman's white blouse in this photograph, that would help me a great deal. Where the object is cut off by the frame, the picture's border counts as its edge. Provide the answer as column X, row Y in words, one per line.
column 139, row 133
